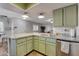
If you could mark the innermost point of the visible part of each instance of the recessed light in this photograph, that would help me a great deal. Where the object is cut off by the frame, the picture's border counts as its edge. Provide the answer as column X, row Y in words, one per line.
column 25, row 16
column 41, row 16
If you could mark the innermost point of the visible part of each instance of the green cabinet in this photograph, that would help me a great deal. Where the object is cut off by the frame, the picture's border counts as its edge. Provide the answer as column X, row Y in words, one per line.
column 57, row 15
column 29, row 43
column 50, row 49
column 66, row 17
column 21, row 49
column 36, row 43
column 70, row 16
column 42, row 46
column 20, row 40
column 26, row 44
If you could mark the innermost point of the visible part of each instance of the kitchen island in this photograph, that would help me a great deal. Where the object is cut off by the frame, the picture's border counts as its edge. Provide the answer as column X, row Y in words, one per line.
column 24, row 43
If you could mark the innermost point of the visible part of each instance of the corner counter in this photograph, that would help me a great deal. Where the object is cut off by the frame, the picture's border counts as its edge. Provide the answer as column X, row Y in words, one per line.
column 24, row 43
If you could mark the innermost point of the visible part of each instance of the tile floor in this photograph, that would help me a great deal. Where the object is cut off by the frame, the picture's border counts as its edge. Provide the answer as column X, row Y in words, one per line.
column 3, row 49
column 34, row 53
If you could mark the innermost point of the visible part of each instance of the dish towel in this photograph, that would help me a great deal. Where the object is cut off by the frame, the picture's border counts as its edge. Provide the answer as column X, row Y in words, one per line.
column 65, row 47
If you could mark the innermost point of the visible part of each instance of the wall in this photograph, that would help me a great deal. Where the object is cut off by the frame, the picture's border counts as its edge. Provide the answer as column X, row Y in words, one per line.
column 23, row 26
column 49, row 28
column 6, row 23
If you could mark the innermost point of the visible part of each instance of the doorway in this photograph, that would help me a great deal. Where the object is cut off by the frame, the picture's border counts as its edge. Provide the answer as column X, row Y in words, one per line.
column 4, row 35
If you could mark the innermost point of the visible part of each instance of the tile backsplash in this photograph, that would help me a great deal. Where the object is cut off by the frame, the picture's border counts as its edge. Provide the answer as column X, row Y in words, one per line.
column 63, row 31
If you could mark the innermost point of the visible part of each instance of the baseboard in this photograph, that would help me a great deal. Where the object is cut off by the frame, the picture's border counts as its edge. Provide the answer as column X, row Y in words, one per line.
column 36, row 51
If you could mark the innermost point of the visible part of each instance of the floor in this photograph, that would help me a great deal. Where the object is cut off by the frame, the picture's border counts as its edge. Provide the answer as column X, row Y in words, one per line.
column 34, row 53
column 3, row 49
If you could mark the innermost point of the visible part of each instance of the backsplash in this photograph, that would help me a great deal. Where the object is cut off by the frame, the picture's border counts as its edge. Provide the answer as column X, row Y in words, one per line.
column 63, row 31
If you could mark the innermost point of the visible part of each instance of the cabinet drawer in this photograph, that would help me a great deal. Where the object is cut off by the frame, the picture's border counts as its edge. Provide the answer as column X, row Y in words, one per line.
column 51, row 40
column 29, row 41
column 42, row 38
column 20, row 40
column 30, row 38
column 41, row 41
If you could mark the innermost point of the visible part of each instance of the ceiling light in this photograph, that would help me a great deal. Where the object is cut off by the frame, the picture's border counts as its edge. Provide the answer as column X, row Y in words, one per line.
column 25, row 16
column 41, row 15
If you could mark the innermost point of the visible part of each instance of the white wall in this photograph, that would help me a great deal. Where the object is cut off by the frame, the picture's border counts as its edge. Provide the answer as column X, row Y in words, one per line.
column 48, row 28
column 24, row 26
column 6, row 23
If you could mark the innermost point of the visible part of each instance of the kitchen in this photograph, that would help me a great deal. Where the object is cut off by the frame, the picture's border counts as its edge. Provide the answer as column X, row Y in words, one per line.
column 49, row 29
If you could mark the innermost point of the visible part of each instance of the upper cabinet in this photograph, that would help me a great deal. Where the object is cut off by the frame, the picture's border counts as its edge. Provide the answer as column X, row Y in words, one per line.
column 67, row 17
column 70, row 16
column 57, row 17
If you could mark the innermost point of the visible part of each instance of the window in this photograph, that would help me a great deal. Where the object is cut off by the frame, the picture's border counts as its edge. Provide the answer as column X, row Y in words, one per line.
column 35, row 27
column 1, row 27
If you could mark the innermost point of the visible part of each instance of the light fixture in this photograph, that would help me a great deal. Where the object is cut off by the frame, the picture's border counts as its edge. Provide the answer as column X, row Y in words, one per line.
column 25, row 16
column 41, row 15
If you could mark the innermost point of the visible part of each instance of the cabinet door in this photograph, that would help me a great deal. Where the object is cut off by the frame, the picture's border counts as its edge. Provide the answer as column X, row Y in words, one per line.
column 70, row 16
column 42, row 46
column 36, row 44
column 57, row 15
column 29, row 46
column 21, row 49
column 50, row 49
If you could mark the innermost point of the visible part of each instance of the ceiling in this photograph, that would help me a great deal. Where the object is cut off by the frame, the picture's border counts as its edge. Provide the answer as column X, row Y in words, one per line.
column 24, row 5
column 35, row 9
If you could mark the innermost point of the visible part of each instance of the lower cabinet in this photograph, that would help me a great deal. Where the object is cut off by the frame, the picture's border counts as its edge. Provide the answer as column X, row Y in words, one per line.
column 21, row 49
column 50, row 49
column 42, row 46
column 36, row 46
column 29, row 45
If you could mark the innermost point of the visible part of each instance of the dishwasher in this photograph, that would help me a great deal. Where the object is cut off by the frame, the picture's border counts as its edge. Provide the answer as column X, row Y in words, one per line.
column 60, row 51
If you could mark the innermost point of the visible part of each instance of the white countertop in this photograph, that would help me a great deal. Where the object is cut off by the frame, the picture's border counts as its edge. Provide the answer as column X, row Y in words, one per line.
column 43, row 35
column 29, row 34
